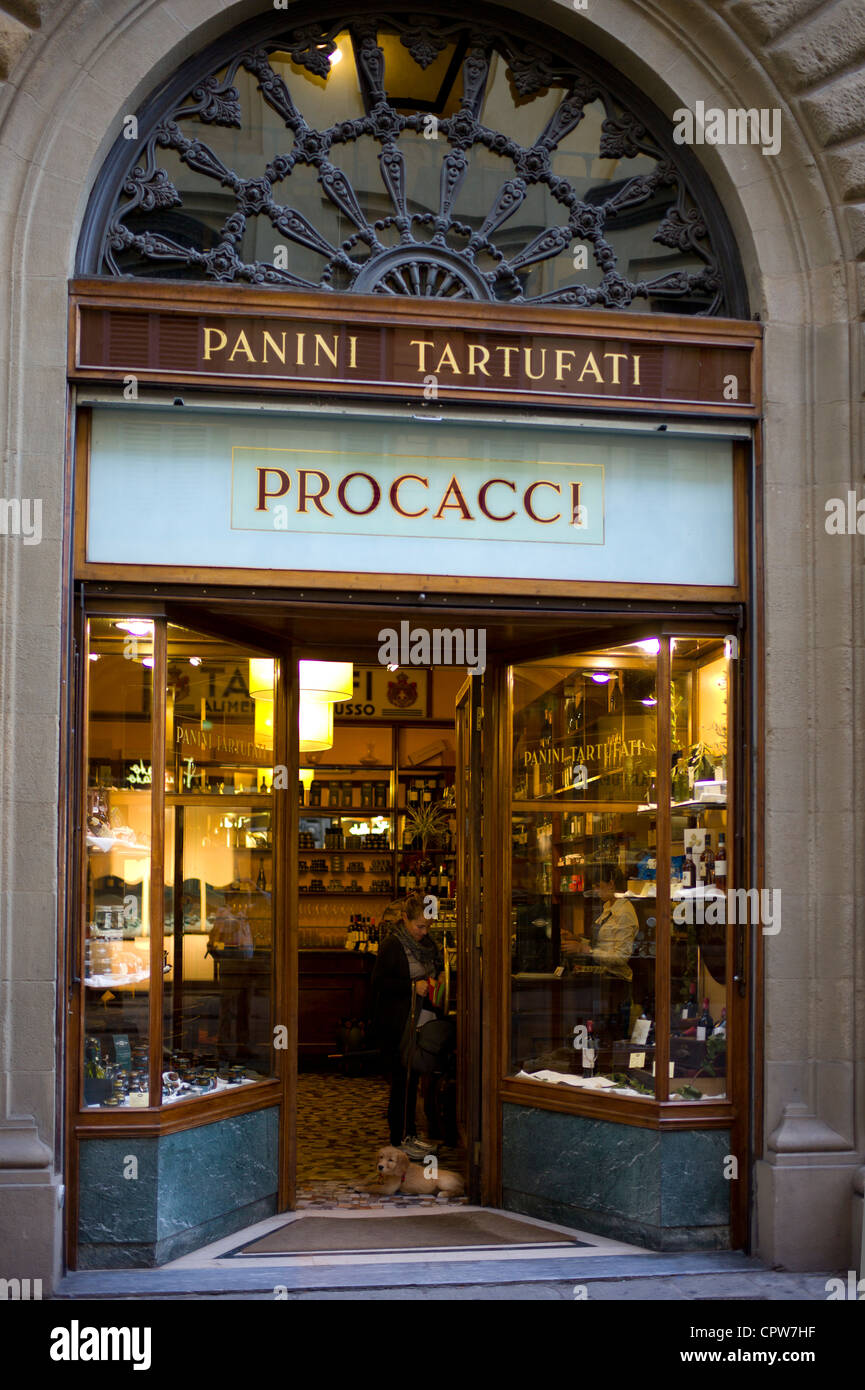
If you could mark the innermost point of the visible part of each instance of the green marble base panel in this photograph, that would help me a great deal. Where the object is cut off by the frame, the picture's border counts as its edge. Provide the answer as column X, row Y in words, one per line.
column 189, row 1188
column 664, row 1191
column 616, row 1227
column 104, row 1256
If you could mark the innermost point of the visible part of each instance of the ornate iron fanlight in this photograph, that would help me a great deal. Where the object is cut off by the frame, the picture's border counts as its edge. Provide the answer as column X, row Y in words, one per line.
column 582, row 201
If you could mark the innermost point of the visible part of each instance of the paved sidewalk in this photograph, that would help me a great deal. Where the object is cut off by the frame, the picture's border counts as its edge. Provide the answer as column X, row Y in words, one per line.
column 722, row 1276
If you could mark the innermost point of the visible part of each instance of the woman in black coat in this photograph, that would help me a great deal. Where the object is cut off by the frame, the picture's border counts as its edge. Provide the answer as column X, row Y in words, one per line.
column 406, row 959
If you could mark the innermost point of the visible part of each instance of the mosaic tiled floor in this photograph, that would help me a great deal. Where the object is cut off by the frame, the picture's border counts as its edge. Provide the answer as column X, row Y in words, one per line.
column 341, row 1125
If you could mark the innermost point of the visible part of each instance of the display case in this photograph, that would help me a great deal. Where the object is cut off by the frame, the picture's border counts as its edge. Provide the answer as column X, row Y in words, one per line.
column 619, row 871
column 177, row 945
column 376, row 821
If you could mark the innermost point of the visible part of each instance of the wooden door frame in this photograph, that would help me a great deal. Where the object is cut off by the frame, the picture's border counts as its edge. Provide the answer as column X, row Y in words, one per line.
column 472, row 1077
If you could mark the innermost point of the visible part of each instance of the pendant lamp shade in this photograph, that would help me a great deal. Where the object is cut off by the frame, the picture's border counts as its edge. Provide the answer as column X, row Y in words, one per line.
column 331, row 680
column 264, row 723
column 316, row 724
column 261, row 678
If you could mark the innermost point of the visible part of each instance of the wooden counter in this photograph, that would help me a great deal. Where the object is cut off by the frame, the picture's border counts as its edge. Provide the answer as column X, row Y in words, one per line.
column 333, row 985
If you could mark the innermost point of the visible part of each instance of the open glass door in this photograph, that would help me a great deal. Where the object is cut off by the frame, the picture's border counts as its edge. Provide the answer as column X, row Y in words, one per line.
column 469, row 801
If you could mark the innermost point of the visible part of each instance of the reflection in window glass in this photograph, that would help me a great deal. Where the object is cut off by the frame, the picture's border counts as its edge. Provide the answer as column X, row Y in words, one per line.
column 699, row 870
column 218, row 989
column 584, row 863
column 117, row 903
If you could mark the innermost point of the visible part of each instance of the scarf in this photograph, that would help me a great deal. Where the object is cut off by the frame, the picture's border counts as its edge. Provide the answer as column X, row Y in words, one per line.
column 425, row 951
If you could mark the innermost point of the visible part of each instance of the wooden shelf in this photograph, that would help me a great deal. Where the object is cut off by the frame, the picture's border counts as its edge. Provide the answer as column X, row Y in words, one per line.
column 343, row 893
column 378, row 853
column 257, row 799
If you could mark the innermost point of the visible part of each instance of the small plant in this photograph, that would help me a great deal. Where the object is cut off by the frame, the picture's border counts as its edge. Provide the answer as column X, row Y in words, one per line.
column 689, row 1093
column 714, row 1045
column 429, row 824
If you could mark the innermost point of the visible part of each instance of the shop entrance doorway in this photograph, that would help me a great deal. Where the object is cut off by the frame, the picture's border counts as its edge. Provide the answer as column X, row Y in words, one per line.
column 380, row 857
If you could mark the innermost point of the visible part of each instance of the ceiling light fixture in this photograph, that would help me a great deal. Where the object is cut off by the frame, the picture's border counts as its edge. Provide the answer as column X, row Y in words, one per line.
column 330, row 680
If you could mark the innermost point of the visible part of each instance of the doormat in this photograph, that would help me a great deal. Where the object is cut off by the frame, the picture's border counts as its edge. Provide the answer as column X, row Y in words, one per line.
column 475, row 1230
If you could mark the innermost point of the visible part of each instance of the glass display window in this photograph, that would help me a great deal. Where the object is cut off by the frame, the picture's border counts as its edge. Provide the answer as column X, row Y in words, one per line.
column 117, row 900
column 584, row 859
column 620, row 849
column 219, row 856
column 699, row 871
column 177, row 884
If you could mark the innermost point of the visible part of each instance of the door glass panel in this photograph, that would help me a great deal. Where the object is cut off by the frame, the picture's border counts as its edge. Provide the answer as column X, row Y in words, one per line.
column 218, row 959
column 699, row 728
column 117, row 902
column 584, row 846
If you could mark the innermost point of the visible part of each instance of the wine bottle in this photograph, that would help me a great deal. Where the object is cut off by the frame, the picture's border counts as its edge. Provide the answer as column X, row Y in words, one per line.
column 589, row 1051
column 261, row 881
column 707, row 864
column 705, row 1023
column 546, row 752
column 721, row 864
column 402, row 881
column 689, row 870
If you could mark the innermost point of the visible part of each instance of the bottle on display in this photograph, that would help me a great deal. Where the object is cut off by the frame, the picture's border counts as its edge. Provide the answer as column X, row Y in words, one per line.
column 652, row 849
column 721, row 863
column 590, row 1051
column 411, row 880
column 300, row 791
column 705, row 1023
column 402, row 880
column 689, row 870
column 547, row 747
column 261, row 881
column 720, row 1029
column 707, row 864
column 547, row 727
column 689, row 1010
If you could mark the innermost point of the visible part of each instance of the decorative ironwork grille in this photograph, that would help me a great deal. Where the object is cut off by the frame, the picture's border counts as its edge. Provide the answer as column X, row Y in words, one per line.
column 436, row 155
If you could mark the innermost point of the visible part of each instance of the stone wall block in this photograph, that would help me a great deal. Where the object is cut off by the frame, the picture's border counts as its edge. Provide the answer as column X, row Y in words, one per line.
column 837, row 111
column 834, row 39
column 766, row 19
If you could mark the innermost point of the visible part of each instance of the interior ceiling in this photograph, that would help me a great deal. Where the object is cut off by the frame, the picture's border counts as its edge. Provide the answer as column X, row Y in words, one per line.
column 351, row 630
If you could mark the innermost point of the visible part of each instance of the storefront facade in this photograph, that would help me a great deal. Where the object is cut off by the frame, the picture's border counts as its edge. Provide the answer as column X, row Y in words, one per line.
column 585, row 484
